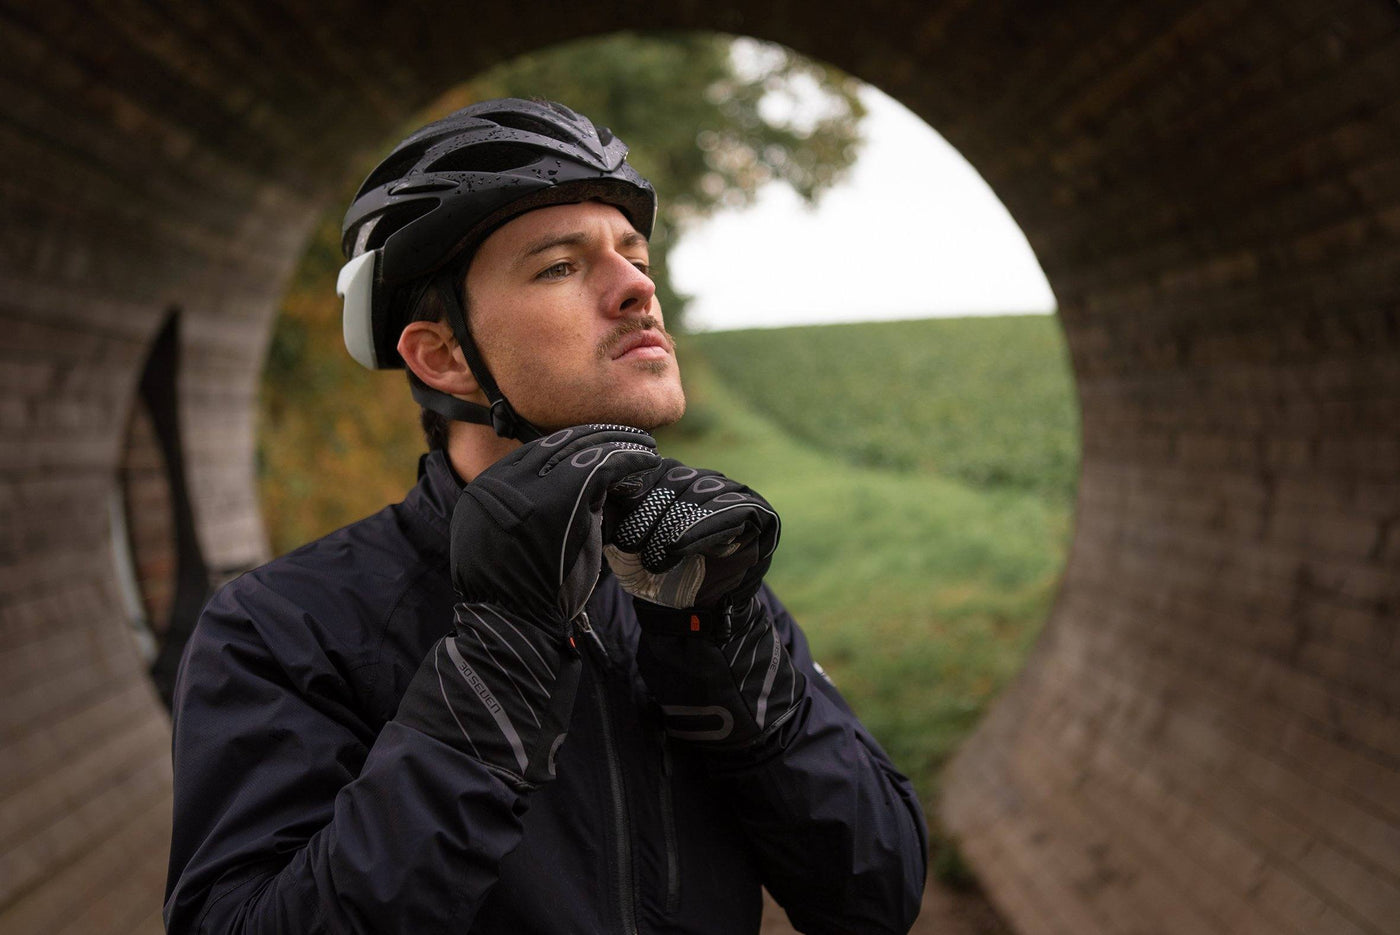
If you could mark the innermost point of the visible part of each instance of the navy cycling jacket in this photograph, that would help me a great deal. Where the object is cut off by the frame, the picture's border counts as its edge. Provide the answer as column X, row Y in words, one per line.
column 303, row 806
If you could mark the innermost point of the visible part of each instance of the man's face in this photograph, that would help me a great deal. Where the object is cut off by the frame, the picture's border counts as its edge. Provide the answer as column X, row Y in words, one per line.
column 567, row 320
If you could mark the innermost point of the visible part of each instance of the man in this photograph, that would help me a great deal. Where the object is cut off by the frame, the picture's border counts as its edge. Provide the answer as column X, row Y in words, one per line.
column 548, row 692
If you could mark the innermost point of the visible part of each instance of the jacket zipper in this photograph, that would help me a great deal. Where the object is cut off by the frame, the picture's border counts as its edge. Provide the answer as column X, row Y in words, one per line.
column 668, row 825
column 621, row 825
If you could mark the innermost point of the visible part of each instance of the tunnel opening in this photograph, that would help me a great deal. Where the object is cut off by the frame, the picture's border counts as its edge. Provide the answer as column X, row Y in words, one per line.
column 338, row 442
column 166, row 581
column 328, row 460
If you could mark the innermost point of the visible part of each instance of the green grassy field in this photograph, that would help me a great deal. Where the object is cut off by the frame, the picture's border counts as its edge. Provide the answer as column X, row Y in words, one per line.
column 985, row 400
column 921, row 592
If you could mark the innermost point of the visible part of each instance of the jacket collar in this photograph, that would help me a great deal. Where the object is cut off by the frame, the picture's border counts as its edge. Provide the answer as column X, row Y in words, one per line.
column 428, row 507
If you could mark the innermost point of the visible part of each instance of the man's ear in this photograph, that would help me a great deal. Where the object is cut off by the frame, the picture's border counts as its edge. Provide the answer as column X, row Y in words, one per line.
column 430, row 350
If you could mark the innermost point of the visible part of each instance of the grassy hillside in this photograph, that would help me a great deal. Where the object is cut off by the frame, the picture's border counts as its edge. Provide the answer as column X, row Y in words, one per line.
column 985, row 400
column 920, row 594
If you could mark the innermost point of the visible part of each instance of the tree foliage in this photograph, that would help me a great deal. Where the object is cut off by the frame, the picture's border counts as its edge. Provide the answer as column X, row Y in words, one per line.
column 709, row 121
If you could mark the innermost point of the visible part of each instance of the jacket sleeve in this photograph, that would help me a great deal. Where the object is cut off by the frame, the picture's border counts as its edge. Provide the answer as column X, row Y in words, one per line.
column 295, row 814
column 838, row 831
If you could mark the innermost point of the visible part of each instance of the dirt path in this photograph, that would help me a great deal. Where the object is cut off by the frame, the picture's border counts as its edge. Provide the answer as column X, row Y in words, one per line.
column 946, row 911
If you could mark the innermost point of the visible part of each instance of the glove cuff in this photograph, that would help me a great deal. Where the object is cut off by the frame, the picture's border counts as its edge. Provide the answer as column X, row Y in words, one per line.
column 499, row 689
column 723, row 678
column 717, row 624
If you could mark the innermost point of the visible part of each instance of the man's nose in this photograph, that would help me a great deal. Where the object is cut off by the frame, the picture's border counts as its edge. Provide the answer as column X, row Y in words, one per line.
column 633, row 289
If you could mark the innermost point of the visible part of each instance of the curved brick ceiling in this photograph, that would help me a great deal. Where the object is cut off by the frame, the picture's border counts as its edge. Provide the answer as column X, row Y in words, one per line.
column 1207, row 738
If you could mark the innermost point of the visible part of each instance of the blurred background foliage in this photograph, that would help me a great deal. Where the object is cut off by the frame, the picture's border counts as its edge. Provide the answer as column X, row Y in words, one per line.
column 708, row 120
column 924, row 470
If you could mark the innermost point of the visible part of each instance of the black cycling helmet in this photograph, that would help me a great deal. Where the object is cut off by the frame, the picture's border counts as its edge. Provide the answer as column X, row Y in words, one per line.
column 420, row 215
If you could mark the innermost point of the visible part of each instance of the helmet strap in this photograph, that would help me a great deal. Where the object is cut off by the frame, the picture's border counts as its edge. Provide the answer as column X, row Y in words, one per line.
column 449, row 406
column 501, row 416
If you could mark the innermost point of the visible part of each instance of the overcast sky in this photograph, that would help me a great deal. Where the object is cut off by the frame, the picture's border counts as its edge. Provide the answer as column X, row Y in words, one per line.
column 913, row 232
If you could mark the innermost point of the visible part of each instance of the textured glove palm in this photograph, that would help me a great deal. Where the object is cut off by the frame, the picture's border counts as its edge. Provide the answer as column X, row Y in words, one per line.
column 692, row 538
column 527, row 546
column 691, row 547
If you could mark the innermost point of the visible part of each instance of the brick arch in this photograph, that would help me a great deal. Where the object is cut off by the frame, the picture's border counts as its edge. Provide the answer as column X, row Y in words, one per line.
column 1206, row 738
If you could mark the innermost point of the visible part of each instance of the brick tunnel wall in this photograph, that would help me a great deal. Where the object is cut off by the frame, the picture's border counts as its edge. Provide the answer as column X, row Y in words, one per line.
column 1207, row 738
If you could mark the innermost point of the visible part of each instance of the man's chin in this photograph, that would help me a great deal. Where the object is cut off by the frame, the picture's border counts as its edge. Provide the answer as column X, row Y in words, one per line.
column 661, row 421
column 648, row 417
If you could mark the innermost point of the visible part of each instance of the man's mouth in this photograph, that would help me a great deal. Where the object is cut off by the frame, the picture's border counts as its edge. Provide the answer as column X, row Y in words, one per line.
column 646, row 344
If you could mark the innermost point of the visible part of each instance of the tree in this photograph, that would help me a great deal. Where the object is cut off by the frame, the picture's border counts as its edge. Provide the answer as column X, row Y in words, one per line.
column 709, row 120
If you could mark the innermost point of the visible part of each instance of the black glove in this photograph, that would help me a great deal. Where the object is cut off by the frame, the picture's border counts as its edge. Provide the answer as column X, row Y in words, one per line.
column 691, row 547
column 527, row 546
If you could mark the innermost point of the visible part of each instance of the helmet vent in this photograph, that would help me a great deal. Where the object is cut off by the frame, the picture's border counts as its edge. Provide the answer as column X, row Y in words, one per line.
column 526, row 124
column 487, row 157
column 394, row 168
column 396, row 217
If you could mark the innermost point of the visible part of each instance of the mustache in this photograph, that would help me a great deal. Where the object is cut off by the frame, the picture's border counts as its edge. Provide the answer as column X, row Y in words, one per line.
column 631, row 326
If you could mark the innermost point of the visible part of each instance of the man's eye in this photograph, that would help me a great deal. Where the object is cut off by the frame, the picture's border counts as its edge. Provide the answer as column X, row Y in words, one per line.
column 644, row 266
column 557, row 271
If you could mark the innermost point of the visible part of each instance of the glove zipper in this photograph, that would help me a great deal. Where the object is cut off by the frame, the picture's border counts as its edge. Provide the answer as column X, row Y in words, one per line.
column 586, row 627
column 621, row 824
